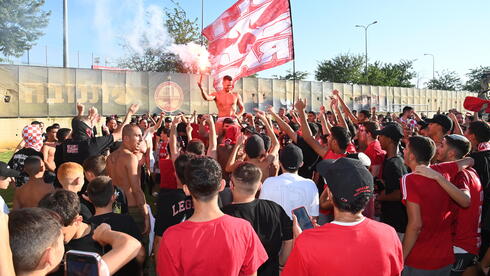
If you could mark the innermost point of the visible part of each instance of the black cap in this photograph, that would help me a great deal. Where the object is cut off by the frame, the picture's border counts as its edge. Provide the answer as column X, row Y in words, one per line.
column 291, row 157
column 254, row 146
column 168, row 120
column 443, row 121
column 392, row 130
column 347, row 178
column 5, row 171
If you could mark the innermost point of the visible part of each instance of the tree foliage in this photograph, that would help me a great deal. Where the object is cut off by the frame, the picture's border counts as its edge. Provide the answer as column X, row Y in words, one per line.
column 21, row 22
column 182, row 30
column 445, row 80
column 298, row 75
column 475, row 77
column 344, row 68
column 347, row 68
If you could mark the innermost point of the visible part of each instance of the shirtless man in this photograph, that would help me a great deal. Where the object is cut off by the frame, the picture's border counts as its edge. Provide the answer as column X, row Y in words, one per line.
column 226, row 102
column 29, row 194
column 49, row 148
column 122, row 167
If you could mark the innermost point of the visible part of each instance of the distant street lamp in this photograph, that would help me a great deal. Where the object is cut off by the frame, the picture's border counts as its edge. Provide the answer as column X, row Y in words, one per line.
column 365, row 43
column 433, row 66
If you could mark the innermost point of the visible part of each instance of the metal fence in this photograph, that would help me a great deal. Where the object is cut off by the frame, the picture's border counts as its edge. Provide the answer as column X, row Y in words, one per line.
column 53, row 92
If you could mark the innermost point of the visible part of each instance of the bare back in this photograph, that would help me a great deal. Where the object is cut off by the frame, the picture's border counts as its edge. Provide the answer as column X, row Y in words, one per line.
column 122, row 167
column 226, row 102
column 267, row 165
column 29, row 194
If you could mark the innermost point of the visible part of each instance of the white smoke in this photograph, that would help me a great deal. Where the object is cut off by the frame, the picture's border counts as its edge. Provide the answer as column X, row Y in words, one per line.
column 143, row 28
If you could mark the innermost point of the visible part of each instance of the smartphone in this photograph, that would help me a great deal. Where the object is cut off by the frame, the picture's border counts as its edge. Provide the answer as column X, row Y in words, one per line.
column 304, row 221
column 82, row 263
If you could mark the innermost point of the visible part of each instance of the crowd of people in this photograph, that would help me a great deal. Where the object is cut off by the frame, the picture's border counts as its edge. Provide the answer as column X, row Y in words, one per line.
column 385, row 194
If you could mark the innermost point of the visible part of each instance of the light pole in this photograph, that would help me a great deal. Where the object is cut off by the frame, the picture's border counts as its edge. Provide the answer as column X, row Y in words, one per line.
column 365, row 43
column 433, row 66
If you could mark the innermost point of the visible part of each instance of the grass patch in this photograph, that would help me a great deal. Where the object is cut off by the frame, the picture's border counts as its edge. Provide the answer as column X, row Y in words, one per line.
column 8, row 194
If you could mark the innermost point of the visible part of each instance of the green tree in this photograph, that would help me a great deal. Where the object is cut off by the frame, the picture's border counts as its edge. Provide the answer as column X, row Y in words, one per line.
column 475, row 77
column 445, row 80
column 21, row 22
column 182, row 29
column 298, row 75
column 388, row 74
column 344, row 68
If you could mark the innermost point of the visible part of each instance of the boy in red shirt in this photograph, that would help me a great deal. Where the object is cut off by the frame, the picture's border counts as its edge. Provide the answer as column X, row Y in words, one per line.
column 209, row 242
column 466, row 227
column 427, row 194
column 373, row 247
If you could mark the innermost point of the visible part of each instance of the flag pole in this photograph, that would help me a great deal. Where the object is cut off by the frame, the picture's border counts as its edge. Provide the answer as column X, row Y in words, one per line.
column 294, row 60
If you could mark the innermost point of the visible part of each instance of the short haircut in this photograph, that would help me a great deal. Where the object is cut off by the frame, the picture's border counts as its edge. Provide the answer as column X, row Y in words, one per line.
column 180, row 164
column 62, row 134
column 481, row 130
column 423, row 148
column 353, row 207
column 68, row 172
column 35, row 123
column 56, row 125
column 100, row 191
column 181, row 127
column 341, row 135
column 246, row 178
column 313, row 128
column 461, row 145
column 31, row 232
column 196, row 146
column 371, row 127
column 49, row 128
column 65, row 203
column 267, row 141
column 228, row 121
column 312, row 113
column 128, row 129
column 366, row 113
column 32, row 165
column 228, row 78
column 407, row 109
column 203, row 177
column 95, row 164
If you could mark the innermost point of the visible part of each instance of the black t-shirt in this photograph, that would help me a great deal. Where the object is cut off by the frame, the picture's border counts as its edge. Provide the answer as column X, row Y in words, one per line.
column 17, row 163
column 173, row 207
column 482, row 167
column 124, row 224
column 393, row 213
column 309, row 158
column 272, row 225
column 85, row 243
column 78, row 151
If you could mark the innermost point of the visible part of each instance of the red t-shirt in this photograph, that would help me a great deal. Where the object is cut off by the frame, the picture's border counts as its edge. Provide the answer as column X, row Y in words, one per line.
column 368, row 248
column 168, row 179
column 376, row 154
column 466, row 227
column 433, row 248
column 223, row 246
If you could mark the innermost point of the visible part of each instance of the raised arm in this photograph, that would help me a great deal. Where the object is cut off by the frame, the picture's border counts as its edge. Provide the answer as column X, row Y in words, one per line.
column 204, row 95
column 340, row 117
column 158, row 123
column 274, row 149
column 172, row 142
column 457, row 128
column 283, row 125
column 213, row 138
column 305, row 130
column 345, row 108
column 117, row 134
column 232, row 164
column 325, row 124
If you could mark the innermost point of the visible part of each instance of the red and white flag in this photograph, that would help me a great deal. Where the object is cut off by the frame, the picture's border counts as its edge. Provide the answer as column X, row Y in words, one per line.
column 250, row 36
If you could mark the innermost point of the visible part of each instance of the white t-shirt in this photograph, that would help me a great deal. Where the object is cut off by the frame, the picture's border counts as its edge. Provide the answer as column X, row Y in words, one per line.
column 291, row 191
column 3, row 206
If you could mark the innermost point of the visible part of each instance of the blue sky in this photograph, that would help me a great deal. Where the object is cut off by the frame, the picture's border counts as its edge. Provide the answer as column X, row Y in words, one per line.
column 455, row 32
